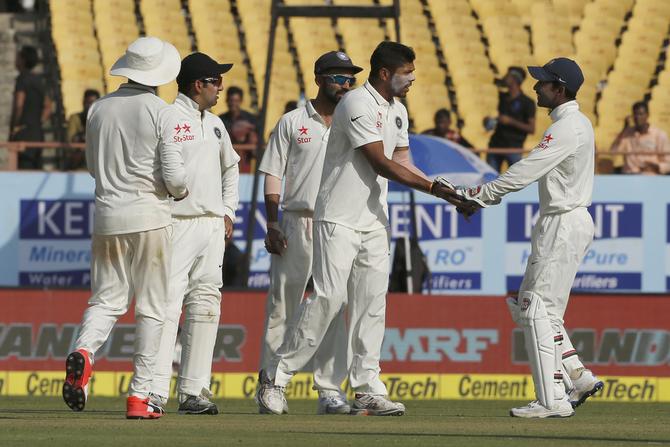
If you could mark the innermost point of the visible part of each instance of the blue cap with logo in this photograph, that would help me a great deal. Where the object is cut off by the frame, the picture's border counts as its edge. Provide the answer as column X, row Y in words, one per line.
column 562, row 70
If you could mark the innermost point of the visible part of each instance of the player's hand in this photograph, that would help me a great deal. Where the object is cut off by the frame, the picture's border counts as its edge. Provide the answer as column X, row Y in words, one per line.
column 229, row 226
column 275, row 242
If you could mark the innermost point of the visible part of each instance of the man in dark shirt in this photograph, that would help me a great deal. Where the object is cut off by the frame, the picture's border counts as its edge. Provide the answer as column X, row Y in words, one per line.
column 442, row 129
column 516, row 119
column 31, row 107
column 240, row 124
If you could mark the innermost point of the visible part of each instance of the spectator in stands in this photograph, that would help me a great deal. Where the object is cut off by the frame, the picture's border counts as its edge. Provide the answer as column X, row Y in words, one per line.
column 642, row 137
column 76, row 123
column 76, row 132
column 31, row 108
column 516, row 119
column 240, row 124
column 442, row 129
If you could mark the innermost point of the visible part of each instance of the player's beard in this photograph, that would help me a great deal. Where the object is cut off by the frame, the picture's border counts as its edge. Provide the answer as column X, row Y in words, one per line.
column 400, row 83
column 334, row 95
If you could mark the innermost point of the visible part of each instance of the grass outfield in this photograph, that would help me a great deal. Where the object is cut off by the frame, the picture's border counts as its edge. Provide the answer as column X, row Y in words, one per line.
column 46, row 421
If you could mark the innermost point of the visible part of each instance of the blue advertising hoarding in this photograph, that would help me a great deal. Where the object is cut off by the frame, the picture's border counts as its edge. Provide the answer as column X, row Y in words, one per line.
column 46, row 223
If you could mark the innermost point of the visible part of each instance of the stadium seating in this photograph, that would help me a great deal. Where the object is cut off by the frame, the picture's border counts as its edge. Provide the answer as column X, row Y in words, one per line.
column 216, row 35
column 633, row 69
column 116, row 28
column 165, row 19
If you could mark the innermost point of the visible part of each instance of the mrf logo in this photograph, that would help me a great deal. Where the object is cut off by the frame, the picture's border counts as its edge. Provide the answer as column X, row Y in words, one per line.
column 183, row 133
column 525, row 304
column 436, row 345
column 610, row 220
column 303, row 131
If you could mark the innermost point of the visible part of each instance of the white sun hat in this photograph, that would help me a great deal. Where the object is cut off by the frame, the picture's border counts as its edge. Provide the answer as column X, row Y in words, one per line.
column 149, row 61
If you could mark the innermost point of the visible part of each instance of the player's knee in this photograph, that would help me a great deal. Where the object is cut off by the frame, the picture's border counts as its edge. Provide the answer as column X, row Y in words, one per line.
column 203, row 310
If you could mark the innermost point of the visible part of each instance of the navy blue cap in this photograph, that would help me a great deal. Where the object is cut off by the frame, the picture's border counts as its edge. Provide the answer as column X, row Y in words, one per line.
column 334, row 59
column 564, row 70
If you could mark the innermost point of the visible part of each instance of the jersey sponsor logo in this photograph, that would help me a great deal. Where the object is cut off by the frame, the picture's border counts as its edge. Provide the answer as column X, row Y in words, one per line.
column 398, row 122
column 378, row 124
column 183, row 133
column 545, row 142
column 217, row 132
column 302, row 140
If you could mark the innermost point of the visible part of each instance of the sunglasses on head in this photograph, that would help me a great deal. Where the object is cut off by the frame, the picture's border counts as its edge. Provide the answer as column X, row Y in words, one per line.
column 341, row 79
column 215, row 81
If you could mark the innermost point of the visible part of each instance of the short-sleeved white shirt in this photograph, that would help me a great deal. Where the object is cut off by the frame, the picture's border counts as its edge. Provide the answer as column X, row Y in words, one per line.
column 351, row 193
column 295, row 152
column 207, row 152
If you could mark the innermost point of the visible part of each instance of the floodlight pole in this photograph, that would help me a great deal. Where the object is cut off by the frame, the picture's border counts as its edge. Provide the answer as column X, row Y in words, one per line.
column 285, row 11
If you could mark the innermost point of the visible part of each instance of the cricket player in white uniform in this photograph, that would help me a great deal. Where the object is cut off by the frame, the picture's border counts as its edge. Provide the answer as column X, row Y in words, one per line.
column 295, row 153
column 136, row 164
column 351, row 238
column 201, row 224
column 563, row 165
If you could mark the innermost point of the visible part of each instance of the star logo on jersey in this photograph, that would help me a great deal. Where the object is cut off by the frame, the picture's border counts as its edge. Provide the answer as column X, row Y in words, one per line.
column 186, row 127
column 545, row 141
column 303, row 130
column 178, row 128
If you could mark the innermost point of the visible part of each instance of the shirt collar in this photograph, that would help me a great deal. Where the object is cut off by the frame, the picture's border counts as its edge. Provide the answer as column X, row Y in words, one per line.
column 145, row 88
column 311, row 111
column 187, row 103
column 563, row 110
column 375, row 94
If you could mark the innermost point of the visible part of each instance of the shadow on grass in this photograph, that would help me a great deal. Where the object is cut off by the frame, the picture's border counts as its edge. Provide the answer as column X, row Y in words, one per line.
column 485, row 436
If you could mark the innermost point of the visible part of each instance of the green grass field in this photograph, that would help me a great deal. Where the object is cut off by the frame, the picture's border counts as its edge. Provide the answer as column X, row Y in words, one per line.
column 46, row 421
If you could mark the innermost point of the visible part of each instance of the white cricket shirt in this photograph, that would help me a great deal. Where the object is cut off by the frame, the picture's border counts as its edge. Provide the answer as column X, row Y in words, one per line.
column 351, row 193
column 210, row 160
column 563, row 163
column 135, row 162
column 295, row 152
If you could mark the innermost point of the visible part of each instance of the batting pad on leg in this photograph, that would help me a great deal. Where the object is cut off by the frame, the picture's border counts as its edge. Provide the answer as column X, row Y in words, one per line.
column 541, row 347
column 514, row 310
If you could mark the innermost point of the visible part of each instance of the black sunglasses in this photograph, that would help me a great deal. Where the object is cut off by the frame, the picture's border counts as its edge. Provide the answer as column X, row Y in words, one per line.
column 215, row 81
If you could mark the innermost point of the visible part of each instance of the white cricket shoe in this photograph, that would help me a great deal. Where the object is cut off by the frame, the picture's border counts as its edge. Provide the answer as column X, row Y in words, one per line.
column 266, row 391
column 376, row 405
column 158, row 401
column 536, row 410
column 584, row 386
column 332, row 403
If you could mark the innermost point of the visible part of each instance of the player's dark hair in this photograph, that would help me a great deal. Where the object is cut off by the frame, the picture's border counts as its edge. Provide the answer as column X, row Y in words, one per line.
column 641, row 105
column 234, row 90
column 29, row 56
column 517, row 73
column 390, row 55
column 442, row 113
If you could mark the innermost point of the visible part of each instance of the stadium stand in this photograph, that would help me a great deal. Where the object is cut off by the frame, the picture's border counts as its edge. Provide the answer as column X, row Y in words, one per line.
column 116, row 28
column 461, row 45
column 77, row 51
column 217, row 35
column 165, row 19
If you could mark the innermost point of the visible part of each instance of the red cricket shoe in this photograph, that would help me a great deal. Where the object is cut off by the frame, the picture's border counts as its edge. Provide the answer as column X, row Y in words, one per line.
column 78, row 371
column 142, row 408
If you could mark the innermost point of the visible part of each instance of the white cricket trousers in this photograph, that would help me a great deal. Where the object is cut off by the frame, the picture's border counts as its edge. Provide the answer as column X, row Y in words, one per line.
column 558, row 245
column 289, row 274
column 198, row 244
column 347, row 263
column 124, row 266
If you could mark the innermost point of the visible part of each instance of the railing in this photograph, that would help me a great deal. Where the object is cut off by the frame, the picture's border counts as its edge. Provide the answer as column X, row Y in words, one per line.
column 247, row 152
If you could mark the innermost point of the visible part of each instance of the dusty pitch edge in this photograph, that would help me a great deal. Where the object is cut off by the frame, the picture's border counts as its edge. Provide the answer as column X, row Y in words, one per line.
column 400, row 386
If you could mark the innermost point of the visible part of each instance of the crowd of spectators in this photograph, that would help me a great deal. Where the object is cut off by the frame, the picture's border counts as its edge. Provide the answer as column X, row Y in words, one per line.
column 644, row 148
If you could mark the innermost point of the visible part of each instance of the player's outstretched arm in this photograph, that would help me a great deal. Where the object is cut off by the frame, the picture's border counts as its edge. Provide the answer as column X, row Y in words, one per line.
column 387, row 168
